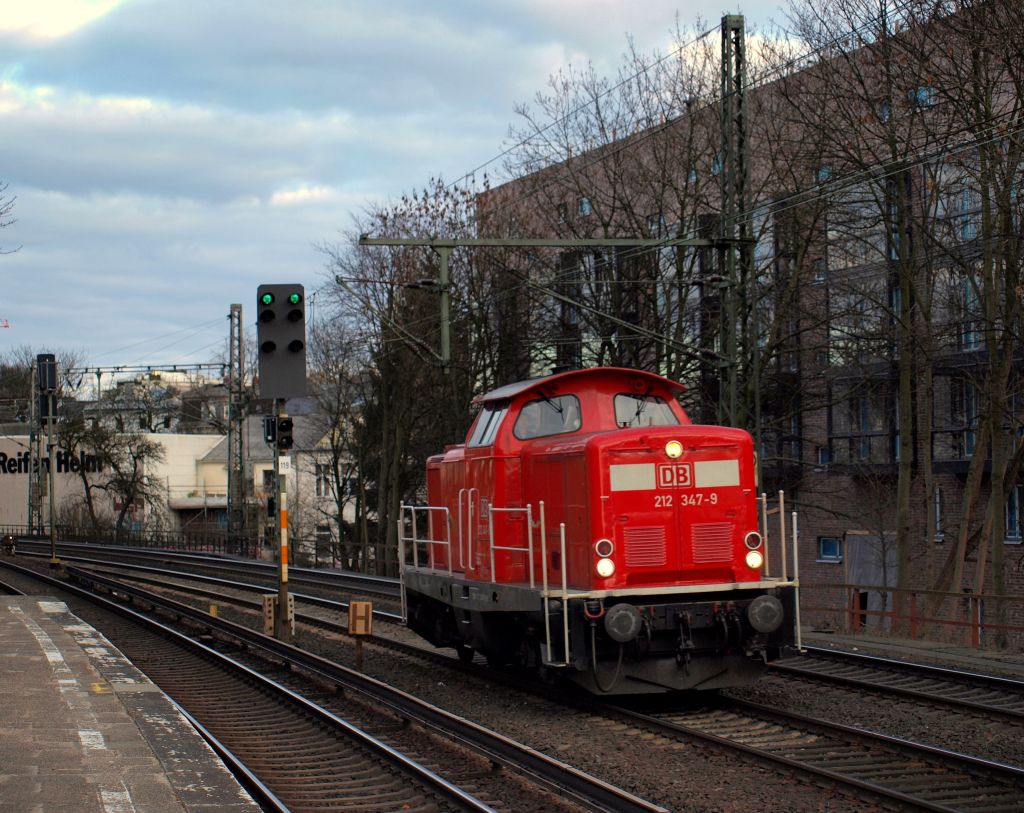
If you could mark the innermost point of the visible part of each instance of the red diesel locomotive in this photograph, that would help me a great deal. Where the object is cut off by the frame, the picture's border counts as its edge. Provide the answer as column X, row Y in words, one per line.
column 586, row 526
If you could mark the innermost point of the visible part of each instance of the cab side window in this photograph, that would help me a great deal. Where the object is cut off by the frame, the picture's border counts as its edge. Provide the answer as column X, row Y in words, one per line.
column 643, row 410
column 486, row 428
column 548, row 416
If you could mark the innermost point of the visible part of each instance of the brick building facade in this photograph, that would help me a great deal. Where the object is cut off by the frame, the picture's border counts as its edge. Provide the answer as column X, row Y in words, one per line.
column 883, row 299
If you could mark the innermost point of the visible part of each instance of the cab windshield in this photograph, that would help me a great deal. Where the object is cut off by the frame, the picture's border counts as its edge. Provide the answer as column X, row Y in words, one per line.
column 548, row 416
column 643, row 410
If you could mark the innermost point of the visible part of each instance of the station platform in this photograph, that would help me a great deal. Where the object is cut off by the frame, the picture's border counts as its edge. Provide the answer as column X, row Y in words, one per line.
column 83, row 730
column 1008, row 663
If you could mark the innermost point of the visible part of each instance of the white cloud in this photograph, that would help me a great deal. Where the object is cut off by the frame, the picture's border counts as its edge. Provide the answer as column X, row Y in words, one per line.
column 170, row 155
column 300, row 195
column 51, row 19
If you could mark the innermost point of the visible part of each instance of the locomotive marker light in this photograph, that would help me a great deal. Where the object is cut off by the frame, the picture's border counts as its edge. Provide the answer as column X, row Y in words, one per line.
column 605, row 568
column 752, row 540
column 755, row 559
column 604, row 548
column 674, row 449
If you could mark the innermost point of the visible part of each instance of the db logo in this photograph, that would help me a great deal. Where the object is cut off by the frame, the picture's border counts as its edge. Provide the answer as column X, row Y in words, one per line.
column 675, row 475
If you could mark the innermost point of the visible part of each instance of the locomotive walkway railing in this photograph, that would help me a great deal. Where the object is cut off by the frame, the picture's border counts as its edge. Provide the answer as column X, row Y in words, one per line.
column 408, row 533
column 528, row 550
column 410, row 512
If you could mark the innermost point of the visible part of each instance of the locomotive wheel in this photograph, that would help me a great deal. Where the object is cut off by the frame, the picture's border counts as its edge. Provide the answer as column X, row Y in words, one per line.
column 528, row 656
column 464, row 652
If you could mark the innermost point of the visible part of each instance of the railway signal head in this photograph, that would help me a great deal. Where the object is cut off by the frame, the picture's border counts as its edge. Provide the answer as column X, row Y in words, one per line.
column 281, row 338
column 46, row 369
column 285, row 441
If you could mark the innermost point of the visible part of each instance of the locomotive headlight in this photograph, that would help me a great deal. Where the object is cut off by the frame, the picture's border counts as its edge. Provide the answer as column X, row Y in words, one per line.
column 604, row 548
column 755, row 559
column 605, row 568
column 752, row 540
column 674, row 449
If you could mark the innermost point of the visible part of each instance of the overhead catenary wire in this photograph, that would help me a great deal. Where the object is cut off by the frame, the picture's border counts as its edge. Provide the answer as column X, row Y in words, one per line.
column 796, row 199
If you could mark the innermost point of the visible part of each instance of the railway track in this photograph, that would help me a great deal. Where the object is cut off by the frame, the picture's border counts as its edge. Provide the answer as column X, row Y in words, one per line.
column 334, row 580
column 307, row 773
column 878, row 768
column 990, row 696
column 884, row 770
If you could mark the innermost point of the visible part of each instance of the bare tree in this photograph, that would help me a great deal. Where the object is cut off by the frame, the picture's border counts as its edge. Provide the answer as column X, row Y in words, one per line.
column 6, row 214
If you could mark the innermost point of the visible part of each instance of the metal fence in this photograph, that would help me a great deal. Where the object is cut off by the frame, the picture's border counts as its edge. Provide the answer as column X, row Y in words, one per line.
column 184, row 541
column 301, row 553
column 979, row 620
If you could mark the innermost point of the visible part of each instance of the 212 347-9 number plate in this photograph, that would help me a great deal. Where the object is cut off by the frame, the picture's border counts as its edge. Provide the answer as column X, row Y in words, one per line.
column 685, row 500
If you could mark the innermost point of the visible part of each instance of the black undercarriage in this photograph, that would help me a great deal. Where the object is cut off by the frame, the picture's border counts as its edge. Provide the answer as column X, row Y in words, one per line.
column 628, row 644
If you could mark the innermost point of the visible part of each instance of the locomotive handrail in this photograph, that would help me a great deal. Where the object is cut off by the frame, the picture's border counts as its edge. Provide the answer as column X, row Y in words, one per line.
column 796, row 582
column 782, row 533
column 458, row 508
column 763, row 504
column 529, row 537
column 469, row 533
column 565, row 593
column 428, row 541
column 544, row 582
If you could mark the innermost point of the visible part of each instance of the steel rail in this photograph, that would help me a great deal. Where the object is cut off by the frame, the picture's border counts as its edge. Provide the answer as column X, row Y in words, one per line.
column 319, row 601
column 333, row 578
column 940, row 687
column 582, row 787
column 257, row 789
column 874, row 790
column 995, row 681
column 438, row 784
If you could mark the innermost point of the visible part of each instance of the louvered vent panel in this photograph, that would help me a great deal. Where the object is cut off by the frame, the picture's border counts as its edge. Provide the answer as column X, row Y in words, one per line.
column 712, row 542
column 645, row 546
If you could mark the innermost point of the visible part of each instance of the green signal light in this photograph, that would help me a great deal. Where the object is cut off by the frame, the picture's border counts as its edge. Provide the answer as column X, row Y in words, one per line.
column 267, row 299
column 294, row 299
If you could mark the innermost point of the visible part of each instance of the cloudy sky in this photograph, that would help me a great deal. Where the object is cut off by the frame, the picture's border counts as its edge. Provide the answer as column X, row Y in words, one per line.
column 167, row 156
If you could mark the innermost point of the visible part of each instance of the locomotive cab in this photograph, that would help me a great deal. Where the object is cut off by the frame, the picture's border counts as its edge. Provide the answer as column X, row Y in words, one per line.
column 587, row 526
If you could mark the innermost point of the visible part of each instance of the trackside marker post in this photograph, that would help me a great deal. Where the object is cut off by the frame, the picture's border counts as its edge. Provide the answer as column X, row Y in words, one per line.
column 360, row 624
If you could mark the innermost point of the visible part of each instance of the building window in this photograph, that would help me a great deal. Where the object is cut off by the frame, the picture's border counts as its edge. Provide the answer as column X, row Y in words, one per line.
column 717, row 164
column 830, row 549
column 923, row 97
column 563, row 213
column 268, row 481
column 970, row 332
column 939, row 536
column 323, row 479
column 1013, row 518
column 656, row 225
column 323, row 542
column 820, row 270
column 584, row 207
column 824, row 456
